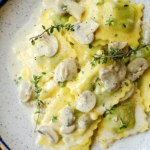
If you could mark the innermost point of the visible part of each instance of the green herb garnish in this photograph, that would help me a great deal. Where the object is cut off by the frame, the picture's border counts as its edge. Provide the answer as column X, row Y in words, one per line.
column 37, row 91
column 62, row 83
column 71, row 43
column 90, row 46
column 54, row 119
column 17, row 80
column 126, row 83
column 99, row 3
column 50, row 30
column 110, row 21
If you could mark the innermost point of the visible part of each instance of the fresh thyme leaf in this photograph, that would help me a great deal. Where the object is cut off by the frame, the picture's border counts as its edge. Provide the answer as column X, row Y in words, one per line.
column 149, row 85
column 37, row 112
column 16, row 81
column 103, row 104
column 69, row 104
column 74, row 77
column 64, row 7
column 62, row 83
column 109, row 111
column 90, row 46
column 123, row 125
column 133, row 48
column 54, row 119
column 50, row 30
column 19, row 78
column 110, row 21
column 71, row 43
column 43, row 73
column 99, row 3
column 32, row 42
column 82, row 72
column 126, row 83
column 43, row 27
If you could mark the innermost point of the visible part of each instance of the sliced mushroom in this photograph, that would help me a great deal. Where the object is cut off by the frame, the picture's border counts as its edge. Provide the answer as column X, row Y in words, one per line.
column 117, row 45
column 25, row 91
column 128, row 94
column 146, row 31
column 83, row 32
column 69, row 6
column 109, row 78
column 67, row 116
column 84, row 121
column 67, row 129
column 49, row 133
column 65, row 70
column 86, row 101
column 120, row 68
column 136, row 68
column 47, row 45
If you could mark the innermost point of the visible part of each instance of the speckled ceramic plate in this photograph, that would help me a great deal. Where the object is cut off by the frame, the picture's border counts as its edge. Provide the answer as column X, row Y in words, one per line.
column 16, row 128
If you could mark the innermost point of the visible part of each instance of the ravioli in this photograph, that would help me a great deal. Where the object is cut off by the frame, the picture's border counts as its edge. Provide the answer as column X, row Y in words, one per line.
column 127, row 118
column 120, row 20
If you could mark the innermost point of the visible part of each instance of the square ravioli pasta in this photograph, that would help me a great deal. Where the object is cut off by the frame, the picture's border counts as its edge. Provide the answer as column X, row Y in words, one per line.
column 126, row 119
column 120, row 19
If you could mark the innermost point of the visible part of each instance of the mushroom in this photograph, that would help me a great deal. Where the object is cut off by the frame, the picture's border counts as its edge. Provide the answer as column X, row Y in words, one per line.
column 86, row 101
column 67, row 116
column 146, row 32
column 69, row 6
column 84, row 121
column 136, row 68
column 120, row 68
column 109, row 78
column 128, row 94
column 117, row 45
column 65, row 70
column 25, row 91
column 47, row 45
column 67, row 129
column 49, row 133
column 83, row 32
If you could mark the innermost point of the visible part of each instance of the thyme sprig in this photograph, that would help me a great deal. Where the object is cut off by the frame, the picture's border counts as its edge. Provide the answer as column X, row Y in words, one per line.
column 114, row 55
column 37, row 91
column 50, row 30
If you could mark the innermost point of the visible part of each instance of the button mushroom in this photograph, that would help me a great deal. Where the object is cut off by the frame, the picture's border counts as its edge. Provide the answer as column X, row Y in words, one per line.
column 146, row 31
column 84, row 121
column 117, row 45
column 25, row 91
column 66, row 70
column 120, row 68
column 86, row 101
column 67, row 116
column 69, row 6
column 47, row 45
column 109, row 78
column 128, row 94
column 67, row 129
column 83, row 32
column 136, row 68
column 49, row 133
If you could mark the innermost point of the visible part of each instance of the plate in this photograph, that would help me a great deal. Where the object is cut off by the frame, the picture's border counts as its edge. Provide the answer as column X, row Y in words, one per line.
column 16, row 127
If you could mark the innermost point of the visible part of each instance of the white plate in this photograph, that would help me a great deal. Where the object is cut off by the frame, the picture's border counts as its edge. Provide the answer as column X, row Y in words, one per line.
column 15, row 126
